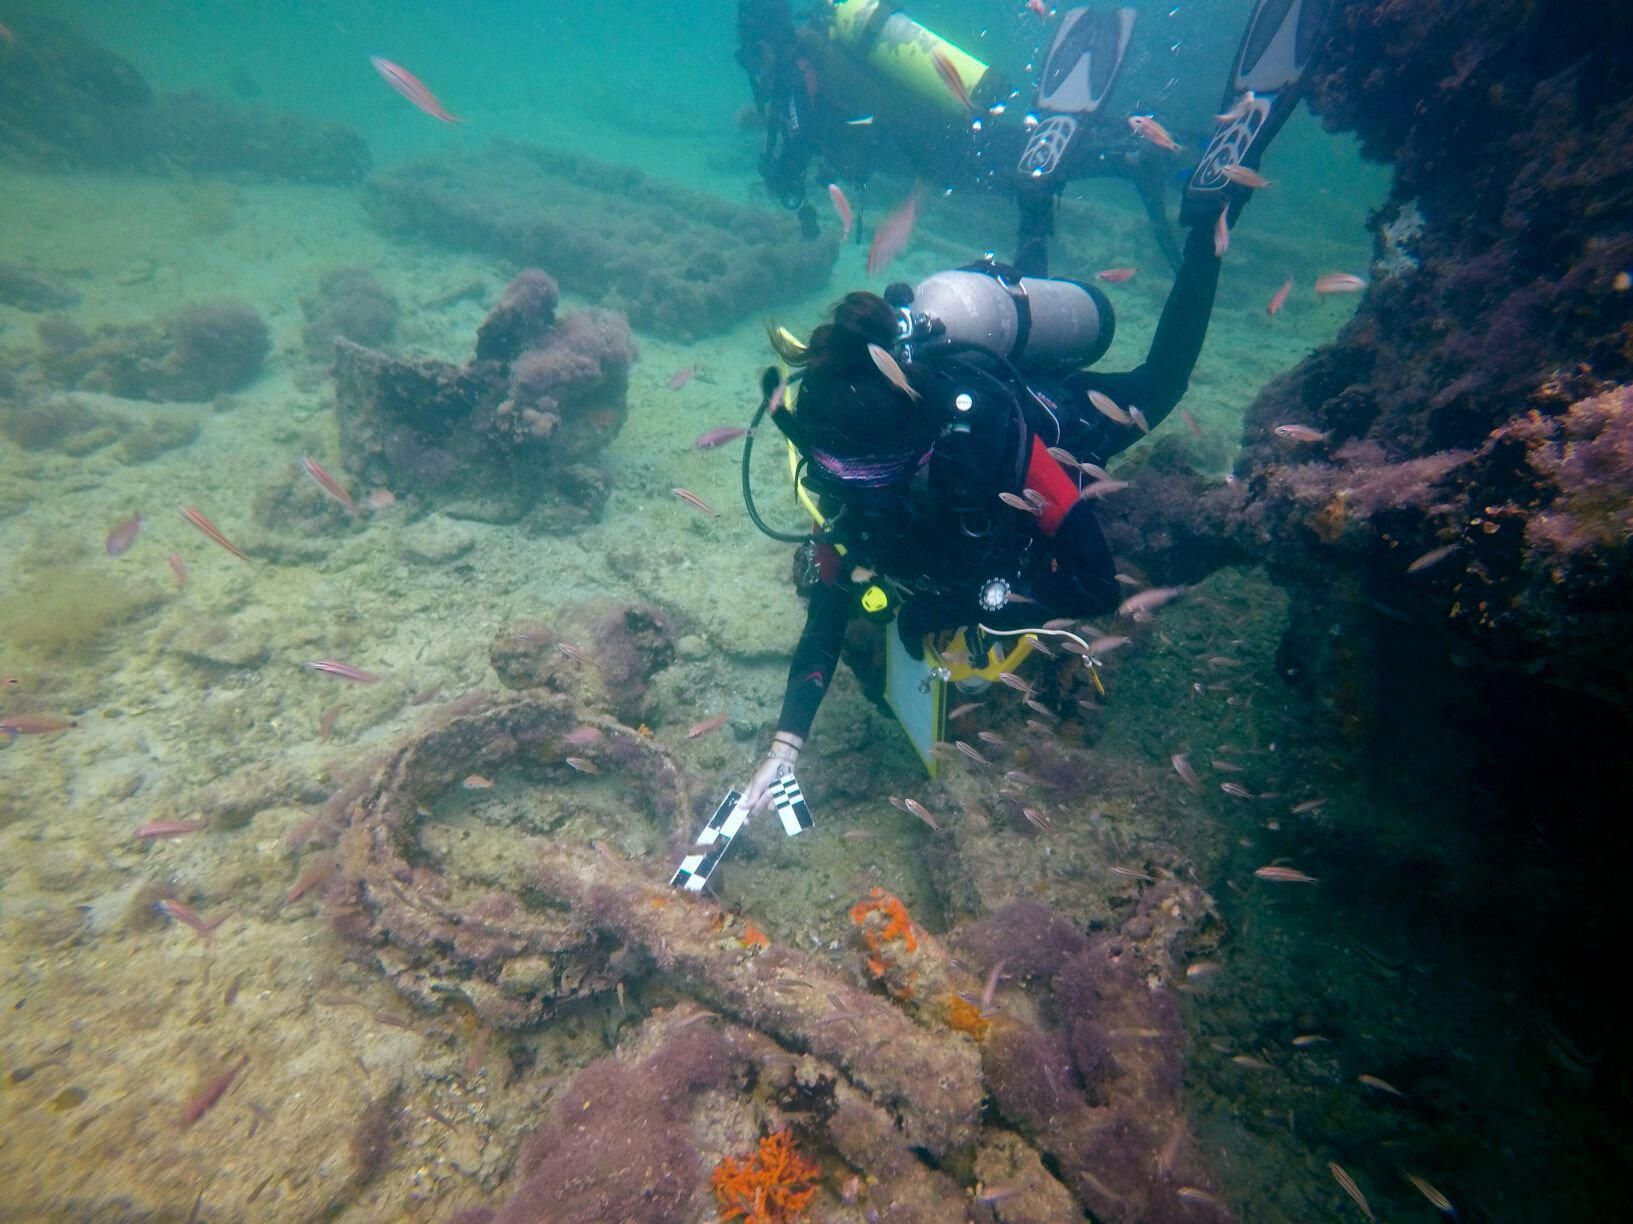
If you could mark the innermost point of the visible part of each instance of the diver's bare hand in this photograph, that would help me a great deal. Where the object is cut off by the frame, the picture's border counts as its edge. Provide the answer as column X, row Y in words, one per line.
column 779, row 760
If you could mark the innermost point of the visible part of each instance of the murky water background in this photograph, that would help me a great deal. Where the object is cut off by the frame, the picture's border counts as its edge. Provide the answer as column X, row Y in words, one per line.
column 191, row 702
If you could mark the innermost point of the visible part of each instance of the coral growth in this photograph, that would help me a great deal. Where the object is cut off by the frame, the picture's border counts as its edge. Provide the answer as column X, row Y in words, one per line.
column 887, row 932
column 772, row 1185
column 965, row 1017
column 1586, row 455
column 504, row 431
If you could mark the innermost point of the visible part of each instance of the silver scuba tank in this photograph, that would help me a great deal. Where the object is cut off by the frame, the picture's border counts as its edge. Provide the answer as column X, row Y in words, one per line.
column 1036, row 323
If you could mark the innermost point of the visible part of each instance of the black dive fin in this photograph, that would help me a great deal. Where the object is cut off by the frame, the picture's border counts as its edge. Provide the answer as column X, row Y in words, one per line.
column 1083, row 60
column 1078, row 76
column 1260, row 93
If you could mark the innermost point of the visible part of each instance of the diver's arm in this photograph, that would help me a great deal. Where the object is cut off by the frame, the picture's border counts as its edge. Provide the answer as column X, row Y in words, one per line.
column 1157, row 385
column 815, row 658
column 809, row 674
column 1080, row 579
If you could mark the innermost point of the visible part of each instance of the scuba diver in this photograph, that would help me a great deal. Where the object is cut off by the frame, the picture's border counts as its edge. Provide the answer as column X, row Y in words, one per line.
column 856, row 84
column 945, row 433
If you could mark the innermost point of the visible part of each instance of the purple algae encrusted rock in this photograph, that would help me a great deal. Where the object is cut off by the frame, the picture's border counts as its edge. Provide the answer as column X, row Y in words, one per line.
column 350, row 303
column 572, row 384
column 525, row 313
column 214, row 347
column 440, row 935
column 1085, row 1059
column 509, row 431
column 198, row 353
column 624, row 1142
column 929, row 1080
column 603, row 654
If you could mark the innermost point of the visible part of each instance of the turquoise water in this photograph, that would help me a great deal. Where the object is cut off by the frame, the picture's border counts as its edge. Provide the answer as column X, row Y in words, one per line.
column 382, row 1083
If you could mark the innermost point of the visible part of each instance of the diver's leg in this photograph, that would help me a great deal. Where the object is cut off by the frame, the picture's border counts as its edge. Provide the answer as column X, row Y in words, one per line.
column 1157, row 385
column 1077, row 77
column 1035, row 203
column 1151, row 181
column 1261, row 92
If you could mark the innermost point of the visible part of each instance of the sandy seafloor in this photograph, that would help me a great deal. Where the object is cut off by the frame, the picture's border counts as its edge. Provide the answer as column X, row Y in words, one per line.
column 118, row 1018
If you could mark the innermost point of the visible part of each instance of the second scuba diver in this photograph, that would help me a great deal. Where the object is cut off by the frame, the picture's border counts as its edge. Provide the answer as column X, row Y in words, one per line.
column 944, row 428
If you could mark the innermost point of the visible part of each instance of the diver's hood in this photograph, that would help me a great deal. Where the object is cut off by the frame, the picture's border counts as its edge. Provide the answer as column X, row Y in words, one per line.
column 837, row 461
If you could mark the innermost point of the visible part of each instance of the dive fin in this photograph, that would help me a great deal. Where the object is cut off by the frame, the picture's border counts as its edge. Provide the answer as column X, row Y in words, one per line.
column 1083, row 60
column 1260, row 93
column 1077, row 77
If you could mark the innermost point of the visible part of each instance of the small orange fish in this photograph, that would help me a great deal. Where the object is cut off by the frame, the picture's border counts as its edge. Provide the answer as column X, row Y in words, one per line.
column 922, row 812
column 842, row 207
column 328, row 483
column 198, row 520
column 1280, row 300
column 1038, row 9
column 1339, row 282
column 1285, row 875
column 1243, row 177
column 1115, row 276
column 1146, row 602
column 411, row 87
column 583, row 766
column 1433, row 557
column 694, row 501
column 1147, row 128
column 705, row 726
column 14, row 725
column 1372, row 1081
column 1239, row 110
column 477, row 782
column 951, row 79
column 1190, row 422
column 1299, row 433
column 892, row 371
column 891, row 237
column 1109, row 408
column 1350, row 1188
column 1101, row 488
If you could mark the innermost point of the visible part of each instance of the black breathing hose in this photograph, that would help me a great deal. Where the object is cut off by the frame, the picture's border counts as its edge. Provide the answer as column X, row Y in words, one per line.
column 748, row 493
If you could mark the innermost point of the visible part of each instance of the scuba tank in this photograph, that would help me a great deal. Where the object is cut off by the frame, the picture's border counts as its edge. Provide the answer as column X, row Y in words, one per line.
column 903, row 52
column 1033, row 323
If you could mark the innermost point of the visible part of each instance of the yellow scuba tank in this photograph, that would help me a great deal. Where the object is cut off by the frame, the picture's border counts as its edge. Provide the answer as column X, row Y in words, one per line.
column 899, row 49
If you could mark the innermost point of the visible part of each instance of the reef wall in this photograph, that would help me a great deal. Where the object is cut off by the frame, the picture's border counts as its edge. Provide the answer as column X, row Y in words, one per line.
column 679, row 263
column 1474, row 467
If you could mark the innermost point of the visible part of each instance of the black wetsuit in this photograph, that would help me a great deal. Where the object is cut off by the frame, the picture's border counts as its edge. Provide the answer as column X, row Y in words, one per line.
column 941, row 539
